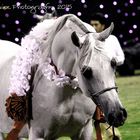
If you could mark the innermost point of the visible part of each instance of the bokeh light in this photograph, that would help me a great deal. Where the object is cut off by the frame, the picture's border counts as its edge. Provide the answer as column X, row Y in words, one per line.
column 42, row 11
column 135, row 26
column 79, row 13
column 126, row 4
column 67, row 9
column 7, row 15
column 101, row 6
column 8, row 34
column 106, row 15
column 3, row 26
column 133, row 14
column 42, row 4
column 16, row 39
column 18, row 30
column 121, row 35
column 18, row 4
column 131, row 1
column 123, row 22
column 83, row 1
column 17, row 22
column 114, row 2
column 130, row 31
column 124, row 14
column 118, row 10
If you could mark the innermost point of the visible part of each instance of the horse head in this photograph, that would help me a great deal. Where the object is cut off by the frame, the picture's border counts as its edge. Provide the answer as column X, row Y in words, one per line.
column 97, row 75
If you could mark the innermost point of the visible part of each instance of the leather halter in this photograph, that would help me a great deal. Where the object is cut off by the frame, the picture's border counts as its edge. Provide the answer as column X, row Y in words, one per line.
column 97, row 94
column 95, row 99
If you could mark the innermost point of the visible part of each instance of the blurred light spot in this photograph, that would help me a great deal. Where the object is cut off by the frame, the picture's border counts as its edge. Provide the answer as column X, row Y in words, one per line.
column 42, row 11
column 18, row 30
column 8, row 33
column 53, row 8
column 135, row 26
column 18, row 4
column 24, row 12
column 118, row 11
column 126, row 14
column 121, row 35
column 67, row 9
column 114, row 3
column 130, row 31
column 133, row 14
column 42, row 4
column 106, row 15
column 123, row 22
column 131, row 1
column 83, row 1
column 136, row 39
column 85, row 6
column 79, row 13
column 124, row 43
column 101, row 6
column 126, row 4
column 16, row 21
column 16, row 39
column 7, row 15
column 3, row 25
column 60, row 1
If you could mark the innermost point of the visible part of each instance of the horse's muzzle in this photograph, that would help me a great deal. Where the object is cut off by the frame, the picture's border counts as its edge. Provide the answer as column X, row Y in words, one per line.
column 117, row 119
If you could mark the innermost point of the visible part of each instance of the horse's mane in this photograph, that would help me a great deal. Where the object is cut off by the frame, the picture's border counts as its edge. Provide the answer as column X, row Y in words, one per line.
column 45, row 31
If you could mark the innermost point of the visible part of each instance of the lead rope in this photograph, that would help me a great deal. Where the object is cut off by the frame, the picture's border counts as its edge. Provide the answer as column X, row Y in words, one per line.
column 113, row 130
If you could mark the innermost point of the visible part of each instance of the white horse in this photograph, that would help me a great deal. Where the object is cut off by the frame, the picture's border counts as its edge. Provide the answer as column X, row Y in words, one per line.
column 67, row 110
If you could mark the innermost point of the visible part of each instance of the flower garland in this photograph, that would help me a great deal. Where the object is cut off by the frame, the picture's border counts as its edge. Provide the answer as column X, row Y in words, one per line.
column 29, row 55
column 59, row 78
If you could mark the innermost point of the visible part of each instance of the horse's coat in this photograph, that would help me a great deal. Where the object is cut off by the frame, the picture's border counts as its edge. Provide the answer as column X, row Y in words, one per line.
column 64, row 111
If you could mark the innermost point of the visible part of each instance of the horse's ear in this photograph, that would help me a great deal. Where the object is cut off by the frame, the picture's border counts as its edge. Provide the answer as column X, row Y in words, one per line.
column 39, row 17
column 104, row 34
column 75, row 39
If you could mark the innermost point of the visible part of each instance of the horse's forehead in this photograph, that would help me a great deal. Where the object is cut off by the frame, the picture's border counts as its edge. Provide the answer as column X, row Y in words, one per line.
column 98, row 60
column 73, row 26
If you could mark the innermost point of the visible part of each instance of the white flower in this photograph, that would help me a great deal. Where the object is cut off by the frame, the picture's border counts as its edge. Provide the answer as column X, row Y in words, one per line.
column 59, row 79
column 26, row 58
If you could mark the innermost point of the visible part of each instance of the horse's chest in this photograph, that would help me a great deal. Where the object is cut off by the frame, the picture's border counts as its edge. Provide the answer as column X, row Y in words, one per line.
column 74, row 110
column 64, row 111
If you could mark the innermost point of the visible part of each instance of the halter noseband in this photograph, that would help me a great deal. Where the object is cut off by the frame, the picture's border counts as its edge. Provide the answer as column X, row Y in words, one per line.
column 97, row 94
column 94, row 97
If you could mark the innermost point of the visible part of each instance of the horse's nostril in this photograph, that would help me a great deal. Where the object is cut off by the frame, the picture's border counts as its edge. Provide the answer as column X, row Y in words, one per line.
column 117, row 118
column 124, row 113
column 111, row 118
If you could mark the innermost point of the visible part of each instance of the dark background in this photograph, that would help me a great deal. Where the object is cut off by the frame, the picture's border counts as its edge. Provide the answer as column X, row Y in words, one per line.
column 17, row 22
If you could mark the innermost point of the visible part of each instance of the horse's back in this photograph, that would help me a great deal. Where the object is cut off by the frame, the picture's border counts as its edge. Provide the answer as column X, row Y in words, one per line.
column 8, row 50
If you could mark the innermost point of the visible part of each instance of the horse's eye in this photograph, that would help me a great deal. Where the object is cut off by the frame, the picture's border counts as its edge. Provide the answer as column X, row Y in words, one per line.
column 113, row 63
column 87, row 72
